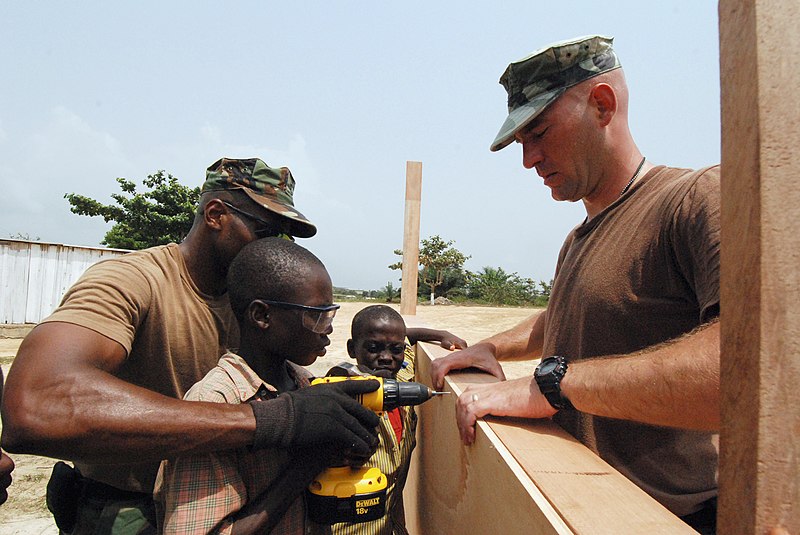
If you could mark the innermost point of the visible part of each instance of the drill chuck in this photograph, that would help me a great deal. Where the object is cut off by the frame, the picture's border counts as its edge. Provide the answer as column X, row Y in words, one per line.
column 404, row 394
column 390, row 395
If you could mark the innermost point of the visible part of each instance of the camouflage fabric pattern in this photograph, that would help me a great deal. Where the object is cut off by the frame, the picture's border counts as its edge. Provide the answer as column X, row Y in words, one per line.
column 127, row 517
column 270, row 187
column 536, row 81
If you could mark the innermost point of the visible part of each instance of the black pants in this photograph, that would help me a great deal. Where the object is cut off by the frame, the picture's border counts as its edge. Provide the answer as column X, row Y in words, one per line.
column 704, row 521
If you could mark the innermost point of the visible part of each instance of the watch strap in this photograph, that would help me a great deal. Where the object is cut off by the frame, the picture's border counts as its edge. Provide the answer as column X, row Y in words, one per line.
column 550, row 383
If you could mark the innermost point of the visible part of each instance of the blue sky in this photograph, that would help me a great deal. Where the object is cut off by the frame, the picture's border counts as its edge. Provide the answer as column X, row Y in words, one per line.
column 343, row 93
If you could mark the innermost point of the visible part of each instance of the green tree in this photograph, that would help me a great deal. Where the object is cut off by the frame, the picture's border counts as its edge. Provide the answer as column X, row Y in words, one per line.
column 546, row 287
column 491, row 285
column 495, row 286
column 436, row 257
column 388, row 292
column 156, row 217
column 454, row 284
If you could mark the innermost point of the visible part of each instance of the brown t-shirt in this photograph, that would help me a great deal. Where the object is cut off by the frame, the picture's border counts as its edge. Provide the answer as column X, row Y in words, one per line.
column 642, row 272
column 146, row 301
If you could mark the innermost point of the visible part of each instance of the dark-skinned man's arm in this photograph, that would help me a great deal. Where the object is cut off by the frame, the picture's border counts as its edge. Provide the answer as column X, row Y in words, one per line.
column 62, row 400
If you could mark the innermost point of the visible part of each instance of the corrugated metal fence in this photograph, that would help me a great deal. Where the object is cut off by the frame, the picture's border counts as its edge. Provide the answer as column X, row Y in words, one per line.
column 34, row 275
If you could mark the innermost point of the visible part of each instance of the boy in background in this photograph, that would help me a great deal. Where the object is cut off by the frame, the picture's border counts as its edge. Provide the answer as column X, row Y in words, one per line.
column 281, row 296
column 383, row 346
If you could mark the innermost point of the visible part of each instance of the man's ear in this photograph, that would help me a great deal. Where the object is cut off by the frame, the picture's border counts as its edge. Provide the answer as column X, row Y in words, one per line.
column 604, row 101
column 213, row 212
column 258, row 314
column 351, row 348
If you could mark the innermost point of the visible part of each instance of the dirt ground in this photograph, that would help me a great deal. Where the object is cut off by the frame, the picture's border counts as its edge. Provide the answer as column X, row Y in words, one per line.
column 25, row 512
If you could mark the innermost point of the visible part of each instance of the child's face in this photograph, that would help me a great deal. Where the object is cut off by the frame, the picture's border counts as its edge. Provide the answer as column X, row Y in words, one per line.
column 379, row 349
column 291, row 339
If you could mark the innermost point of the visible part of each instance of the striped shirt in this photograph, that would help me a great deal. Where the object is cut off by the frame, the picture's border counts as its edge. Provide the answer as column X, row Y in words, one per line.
column 393, row 458
column 201, row 493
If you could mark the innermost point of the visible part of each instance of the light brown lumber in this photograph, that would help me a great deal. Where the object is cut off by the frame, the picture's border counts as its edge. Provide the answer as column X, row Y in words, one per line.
column 408, row 294
column 478, row 489
column 760, row 273
column 520, row 476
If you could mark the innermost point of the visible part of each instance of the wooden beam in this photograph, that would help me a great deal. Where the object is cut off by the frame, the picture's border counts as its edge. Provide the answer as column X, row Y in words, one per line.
column 475, row 489
column 760, row 279
column 520, row 476
column 408, row 295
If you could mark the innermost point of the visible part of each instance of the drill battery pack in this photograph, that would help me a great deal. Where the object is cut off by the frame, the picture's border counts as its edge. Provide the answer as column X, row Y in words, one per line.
column 354, row 495
column 345, row 494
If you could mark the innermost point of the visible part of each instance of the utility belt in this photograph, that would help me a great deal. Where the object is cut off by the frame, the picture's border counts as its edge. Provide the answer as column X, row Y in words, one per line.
column 67, row 487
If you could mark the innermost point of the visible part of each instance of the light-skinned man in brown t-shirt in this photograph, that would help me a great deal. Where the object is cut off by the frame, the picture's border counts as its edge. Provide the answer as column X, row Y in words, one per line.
column 637, row 283
column 100, row 381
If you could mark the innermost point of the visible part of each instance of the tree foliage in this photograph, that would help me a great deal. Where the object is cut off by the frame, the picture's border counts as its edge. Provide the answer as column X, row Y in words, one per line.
column 438, row 259
column 442, row 272
column 389, row 292
column 454, row 284
column 495, row 286
column 161, row 215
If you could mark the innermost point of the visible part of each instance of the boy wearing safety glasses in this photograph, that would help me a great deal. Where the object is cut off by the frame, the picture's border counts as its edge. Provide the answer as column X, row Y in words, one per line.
column 282, row 296
column 383, row 346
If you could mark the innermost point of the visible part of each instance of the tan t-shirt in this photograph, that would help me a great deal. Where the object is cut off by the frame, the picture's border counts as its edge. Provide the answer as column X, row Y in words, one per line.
column 642, row 272
column 146, row 301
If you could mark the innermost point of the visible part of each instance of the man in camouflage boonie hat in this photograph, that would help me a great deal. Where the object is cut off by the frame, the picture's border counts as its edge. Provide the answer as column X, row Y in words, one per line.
column 536, row 81
column 636, row 282
column 145, row 327
column 270, row 187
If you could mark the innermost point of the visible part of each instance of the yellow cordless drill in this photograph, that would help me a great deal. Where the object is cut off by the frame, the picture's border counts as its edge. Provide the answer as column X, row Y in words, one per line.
column 355, row 495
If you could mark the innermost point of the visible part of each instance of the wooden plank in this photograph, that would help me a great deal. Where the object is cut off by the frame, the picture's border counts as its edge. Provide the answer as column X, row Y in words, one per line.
column 760, row 282
column 475, row 489
column 586, row 491
column 408, row 295
column 556, row 482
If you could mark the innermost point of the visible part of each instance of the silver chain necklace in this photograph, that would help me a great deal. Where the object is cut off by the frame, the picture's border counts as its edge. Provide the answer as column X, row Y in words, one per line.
column 633, row 178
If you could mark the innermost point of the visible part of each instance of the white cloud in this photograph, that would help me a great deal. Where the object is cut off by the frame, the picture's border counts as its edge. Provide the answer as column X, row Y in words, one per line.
column 67, row 134
column 65, row 155
column 210, row 134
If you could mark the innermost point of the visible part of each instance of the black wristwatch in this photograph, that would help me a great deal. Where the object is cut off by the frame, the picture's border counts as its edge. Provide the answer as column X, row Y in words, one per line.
column 549, row 374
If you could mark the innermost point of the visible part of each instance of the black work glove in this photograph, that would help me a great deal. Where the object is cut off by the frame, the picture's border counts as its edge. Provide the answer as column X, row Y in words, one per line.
column 319, row 414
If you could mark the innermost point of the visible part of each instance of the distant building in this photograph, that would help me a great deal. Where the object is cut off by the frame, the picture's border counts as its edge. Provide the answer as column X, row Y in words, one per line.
column 35, row 275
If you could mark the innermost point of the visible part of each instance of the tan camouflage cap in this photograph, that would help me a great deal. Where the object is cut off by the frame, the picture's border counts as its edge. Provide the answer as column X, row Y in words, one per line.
column 536, row 81
column 271, row 188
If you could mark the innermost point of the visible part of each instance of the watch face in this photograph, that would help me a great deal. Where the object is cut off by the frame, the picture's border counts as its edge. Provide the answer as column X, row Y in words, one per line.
column 548, row 367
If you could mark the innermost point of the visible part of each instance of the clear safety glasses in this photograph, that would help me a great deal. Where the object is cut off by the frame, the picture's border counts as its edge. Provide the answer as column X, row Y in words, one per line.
column 315, row 319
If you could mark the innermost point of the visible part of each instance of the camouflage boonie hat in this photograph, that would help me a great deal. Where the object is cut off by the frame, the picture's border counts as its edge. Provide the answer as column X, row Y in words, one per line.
column 271, row 188
column 536, row 81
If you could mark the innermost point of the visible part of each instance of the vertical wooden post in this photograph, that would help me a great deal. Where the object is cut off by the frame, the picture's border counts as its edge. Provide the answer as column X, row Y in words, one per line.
column 760, row 280
column 408, row 297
